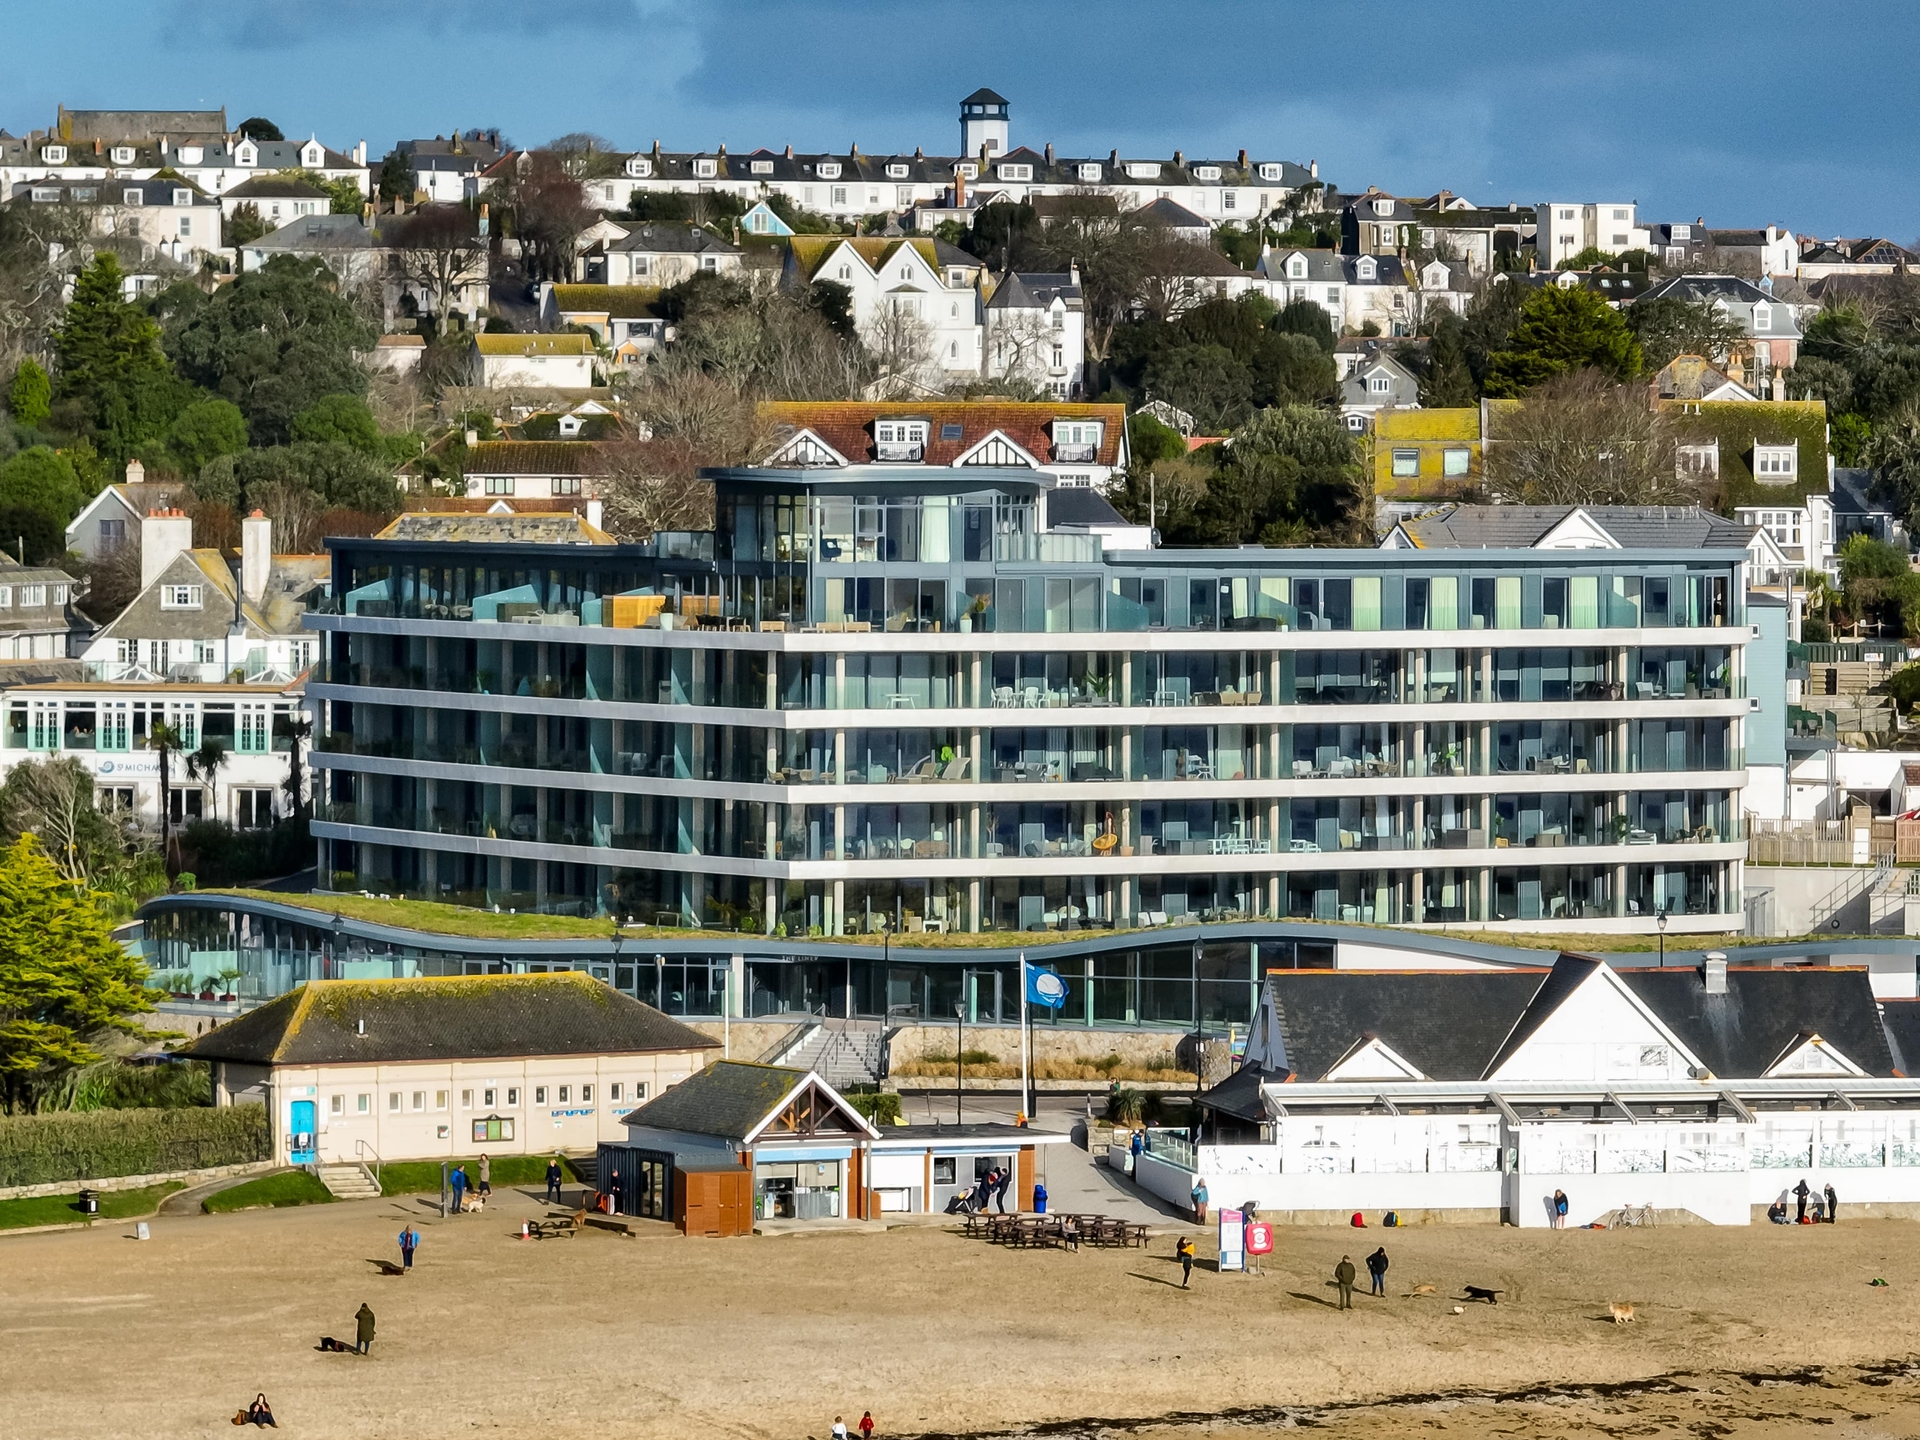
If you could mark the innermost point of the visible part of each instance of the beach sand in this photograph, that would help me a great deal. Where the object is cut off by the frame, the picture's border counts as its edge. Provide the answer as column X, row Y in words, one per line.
column 938, row 1334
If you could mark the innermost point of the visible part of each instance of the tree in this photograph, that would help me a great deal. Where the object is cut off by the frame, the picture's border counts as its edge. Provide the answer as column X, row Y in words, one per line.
column 1667, row 327
column 1149, row 441
column 1562, row 330
column 93, row 847
column 547, row 209
column 1879, row 585
column 1206, row 380
column 1894, row 453
column 245, row 226
column 1580, row 439
column 164, row 741
column 1446, row 380
column 299, row 730
column 41, row 479
column 204, row 431
column 30, row 394
column 1304, row 317
column 37, row 536
column 1111, row 251
column 112, row 370
column 397, row 180
column 272, row 342
column 694, row 420
column 258, row 127
column 339, row 420
column 440, row 250
column 204, row 765
column 65, row 982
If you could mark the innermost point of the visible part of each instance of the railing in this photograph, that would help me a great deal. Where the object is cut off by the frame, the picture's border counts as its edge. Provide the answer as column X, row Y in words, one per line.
column 360, row 1149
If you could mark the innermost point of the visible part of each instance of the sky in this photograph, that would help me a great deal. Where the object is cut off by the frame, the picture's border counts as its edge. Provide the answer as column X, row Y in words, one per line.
column 1765, row 112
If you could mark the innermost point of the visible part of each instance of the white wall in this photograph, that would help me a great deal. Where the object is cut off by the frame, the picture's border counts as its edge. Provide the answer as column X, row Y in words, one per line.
column 1720, row 1199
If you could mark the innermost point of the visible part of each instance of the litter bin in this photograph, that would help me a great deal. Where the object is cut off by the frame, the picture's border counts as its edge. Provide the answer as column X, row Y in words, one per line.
column 89, row 1203
column 1039, row 1199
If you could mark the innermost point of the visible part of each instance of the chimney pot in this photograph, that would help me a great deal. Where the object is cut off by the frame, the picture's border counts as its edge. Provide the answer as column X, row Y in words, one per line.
column 1714, row 972
column 1243, row 159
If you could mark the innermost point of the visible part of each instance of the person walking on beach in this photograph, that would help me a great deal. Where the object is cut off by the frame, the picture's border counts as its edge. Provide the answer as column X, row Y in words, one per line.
column 1185, row 1251
column 1199, row 1201
column 1833, row 1206
column 486, row 1177
column 1800, row 1193
column 613, row 1189
column 553, row 1181
column 866, row 1425
column 409, row 1242
column 1559, row 1209
column 1377, row 1272
column 1343, row 1274
column 363, row 1334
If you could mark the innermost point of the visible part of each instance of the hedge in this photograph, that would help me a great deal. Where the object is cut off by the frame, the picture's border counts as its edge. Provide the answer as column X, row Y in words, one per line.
column 97, row 1144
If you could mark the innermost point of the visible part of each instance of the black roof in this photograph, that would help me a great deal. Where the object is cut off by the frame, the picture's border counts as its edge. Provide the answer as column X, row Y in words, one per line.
column 1080, row 505
column 1764, row 1012
column 984, row 96
column 1239, row 1094
column 1448, row 1024
column 454, row 1017
column 728, row 1099
column 1900, row 1022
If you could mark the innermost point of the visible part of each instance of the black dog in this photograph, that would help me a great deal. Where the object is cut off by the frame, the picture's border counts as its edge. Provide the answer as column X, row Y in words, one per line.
column 1480, row 1292
column 327, row 1342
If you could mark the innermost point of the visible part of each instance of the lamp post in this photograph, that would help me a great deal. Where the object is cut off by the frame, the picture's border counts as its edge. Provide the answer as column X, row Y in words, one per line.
column 1199, row 1024
column 960, row 1054
column 1661, row 922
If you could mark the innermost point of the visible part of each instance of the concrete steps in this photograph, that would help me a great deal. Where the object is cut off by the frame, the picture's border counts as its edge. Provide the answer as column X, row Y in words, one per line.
column 841, row 1052
column 348, row 1181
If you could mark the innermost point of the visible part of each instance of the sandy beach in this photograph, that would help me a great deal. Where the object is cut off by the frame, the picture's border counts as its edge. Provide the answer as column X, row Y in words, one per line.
column 938, row 1334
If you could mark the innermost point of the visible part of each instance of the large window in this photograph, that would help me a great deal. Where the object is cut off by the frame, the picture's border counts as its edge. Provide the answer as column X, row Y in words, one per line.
column 1406, row 464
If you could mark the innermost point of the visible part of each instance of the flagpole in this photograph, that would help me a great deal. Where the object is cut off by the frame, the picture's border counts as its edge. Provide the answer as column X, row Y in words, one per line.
column 1026, row 1046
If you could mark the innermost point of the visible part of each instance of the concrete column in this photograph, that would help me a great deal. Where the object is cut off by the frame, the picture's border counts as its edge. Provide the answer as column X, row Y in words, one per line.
column 840, row 755
column 837, row 915
column 1416, row 896
column 1486, row 896
column 973, row 907
column 1620, row 889
column 737, row 986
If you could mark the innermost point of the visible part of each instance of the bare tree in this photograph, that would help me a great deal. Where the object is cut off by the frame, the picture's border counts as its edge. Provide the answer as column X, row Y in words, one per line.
column 1580, row 439
column 441, row 251
column 683, row 419
column 41, row 247
column 900, row 345
column 1017, row 341
column 1172, row 274
column 1109, row 247
column 548, row 210
column 295, row 511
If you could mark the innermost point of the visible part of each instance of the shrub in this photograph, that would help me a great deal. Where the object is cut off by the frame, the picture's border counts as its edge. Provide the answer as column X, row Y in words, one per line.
column 296, row 1187
column 97, row 1144
column 880, row 1106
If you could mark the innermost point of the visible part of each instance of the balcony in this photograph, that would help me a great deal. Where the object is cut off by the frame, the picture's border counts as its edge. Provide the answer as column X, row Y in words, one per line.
column 1075, row 454
column 899, row 452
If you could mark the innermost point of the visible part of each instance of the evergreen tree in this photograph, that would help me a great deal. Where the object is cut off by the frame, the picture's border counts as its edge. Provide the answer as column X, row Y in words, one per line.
column 31, row 394
column 111, row 367
column 1561, row 331
column 1448, row 381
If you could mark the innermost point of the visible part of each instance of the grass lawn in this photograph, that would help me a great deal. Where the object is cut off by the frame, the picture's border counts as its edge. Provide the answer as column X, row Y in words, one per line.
column 417, row 1177
column 60, row 1210
column 296, row 1187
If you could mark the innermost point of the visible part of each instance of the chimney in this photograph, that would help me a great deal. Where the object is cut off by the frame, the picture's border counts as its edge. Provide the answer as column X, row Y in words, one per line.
column 256, row 556
column 484, row 222
column 1113, row 160
column 1243, row 159
column 918, row 153
column 136, row 472
column 165, row 535
column 360, row 153
column 1049, row 152
column 789, row 152
column 1179, row 160
column 853, row 150
column 1313, row 168
column 1715, row 972
column 596, row 514
column 959, row 189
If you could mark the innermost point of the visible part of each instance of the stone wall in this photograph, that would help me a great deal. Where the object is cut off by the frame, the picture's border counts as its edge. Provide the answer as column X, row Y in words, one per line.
column 749, row 1039
column 1073, row 1047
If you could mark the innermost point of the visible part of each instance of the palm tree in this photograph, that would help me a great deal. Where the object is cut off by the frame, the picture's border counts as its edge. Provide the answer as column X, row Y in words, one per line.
column 204, row 764
column 299, row 730
column 165, row 740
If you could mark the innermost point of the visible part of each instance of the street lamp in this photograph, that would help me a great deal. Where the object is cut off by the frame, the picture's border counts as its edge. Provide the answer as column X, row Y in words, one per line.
column 1661, row 922
column 960, row 1053
column 1199, row 1024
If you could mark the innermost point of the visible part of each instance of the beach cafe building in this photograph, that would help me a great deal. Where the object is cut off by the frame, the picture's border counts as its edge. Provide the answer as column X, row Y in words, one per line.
column 1476, row 1095
column 743, row 1143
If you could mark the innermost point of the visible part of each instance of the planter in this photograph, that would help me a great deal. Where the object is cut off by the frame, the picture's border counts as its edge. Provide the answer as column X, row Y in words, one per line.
column 208, row 995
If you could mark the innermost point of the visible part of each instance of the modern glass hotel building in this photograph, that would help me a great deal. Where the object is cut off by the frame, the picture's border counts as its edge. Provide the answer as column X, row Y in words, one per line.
column 911, row 697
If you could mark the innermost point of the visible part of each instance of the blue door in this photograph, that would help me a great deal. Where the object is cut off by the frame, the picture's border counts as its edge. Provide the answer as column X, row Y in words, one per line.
column 300, row 1132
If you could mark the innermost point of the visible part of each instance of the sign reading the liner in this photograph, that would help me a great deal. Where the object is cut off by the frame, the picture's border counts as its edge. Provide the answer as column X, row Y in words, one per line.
column 1044, row 987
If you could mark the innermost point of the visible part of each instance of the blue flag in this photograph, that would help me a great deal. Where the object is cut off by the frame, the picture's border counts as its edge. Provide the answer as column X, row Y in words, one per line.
column 1044, row 987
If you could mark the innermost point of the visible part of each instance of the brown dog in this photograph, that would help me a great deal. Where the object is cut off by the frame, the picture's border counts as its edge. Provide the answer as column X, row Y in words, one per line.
column 1622, row 1314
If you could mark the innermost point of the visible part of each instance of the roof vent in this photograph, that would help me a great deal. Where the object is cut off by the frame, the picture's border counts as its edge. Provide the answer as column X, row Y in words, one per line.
column 360, row 1026
column 1715, row 972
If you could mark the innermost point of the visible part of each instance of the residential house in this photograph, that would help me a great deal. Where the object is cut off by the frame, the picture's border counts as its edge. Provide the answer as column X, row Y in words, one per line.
column 1616, row 287
column 626, row 319
column 764, row 220
column 400, row 354
column 363, row 249
column 1316, row 275
column 168, row 219
column 1770, row 328
column 200, row 617
column 38, row 620
column 1771, row 251
column 1371, row 380
column 904, row 293
column 655, row 254
column 1428, row 454
column 1068, row 444
column 277, row 199
column 1480, row 239
column 1570, row 527
column 1193, row 273
column 1822, row 259
column 1082, row 510
column 103, row 144
column 430, row 1068
column 219, row 165
column 1811, row 530
column 558, row 362
column 520, row 470
column 1693, row 377
column 1377, row 223
column 1678, row 246
column 1445, row 284
column 449, row 170
column 1377, row 293
column 1036, row 331
column 1563, row 229
column 112, row 518
column 1176, row 220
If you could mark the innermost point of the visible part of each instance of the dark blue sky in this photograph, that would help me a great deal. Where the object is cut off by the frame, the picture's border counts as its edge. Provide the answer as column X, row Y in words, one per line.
column 1762, row 112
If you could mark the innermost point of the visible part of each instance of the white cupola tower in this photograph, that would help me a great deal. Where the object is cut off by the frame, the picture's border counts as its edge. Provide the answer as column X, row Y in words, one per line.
column 983, row 122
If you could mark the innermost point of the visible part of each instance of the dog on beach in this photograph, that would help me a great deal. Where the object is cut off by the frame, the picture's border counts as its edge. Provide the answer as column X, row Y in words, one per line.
column 1481, row 1292
column 1422, row 1290
column 1622, row 1314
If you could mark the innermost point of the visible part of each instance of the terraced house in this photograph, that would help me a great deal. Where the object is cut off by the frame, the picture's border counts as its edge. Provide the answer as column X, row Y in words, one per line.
column 889, row 692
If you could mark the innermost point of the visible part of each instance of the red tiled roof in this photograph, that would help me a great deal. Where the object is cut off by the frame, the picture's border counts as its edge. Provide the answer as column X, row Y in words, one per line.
column 847, row 425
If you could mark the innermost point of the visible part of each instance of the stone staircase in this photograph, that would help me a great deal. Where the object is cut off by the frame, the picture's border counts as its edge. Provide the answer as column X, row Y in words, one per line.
column 348, row 1181
column 842, row 1052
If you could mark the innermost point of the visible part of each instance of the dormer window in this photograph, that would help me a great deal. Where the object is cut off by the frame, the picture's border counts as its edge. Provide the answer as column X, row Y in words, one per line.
column 190, row 154
column 123, row 154
column 1143, row 170
column 1383, row 207
column 312, row 155
column 1016, row 172
column 1365, row 268
column 1297, row 267
column 967, row 170
column 900, row 440
column 1076, row 442
column 246, row 155
column 54, row 154
column 1090, row 174
column 828, row 170
column 85, row 194
column 1776, row 464
column 762, row 167
column 1379, row 384
column 183, row 197
column 706, row 169
column 1762, row 316
column 133, row 197
column 1269, row 172
column 1206, row 172
column 639, row 168
column 45, row 194
column 896, row 171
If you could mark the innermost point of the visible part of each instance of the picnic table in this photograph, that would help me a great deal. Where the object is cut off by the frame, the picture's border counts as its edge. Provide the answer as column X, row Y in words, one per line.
column 1063, row 1229
column 566, row 1225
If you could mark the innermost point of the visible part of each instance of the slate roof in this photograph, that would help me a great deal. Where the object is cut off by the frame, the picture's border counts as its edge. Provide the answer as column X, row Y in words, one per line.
column 1031, row 290
column 1852, row 493
column 984, row 96
column 1080, row 505
column 1448, row 1024
column 154, row 194
column 1900, row 1021
column 268, row 186
column 1520, row 527
column 1740, row 1034
column 1171, row 215
column 728, row 1099
column 1387, row 269
column 1322, row 265
column 1055, row 207
column 660, row 239
column 847, row 425
column 547, row 529
column 291, row 581
column 317, row 233
column 1239, row 1095
column 454, row 1017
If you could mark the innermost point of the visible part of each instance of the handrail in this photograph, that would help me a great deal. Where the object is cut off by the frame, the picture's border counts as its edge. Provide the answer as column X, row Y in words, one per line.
column 361, row 1147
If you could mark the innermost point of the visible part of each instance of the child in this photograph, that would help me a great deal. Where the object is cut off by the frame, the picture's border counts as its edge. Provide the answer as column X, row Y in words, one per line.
column 1185, row 1251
